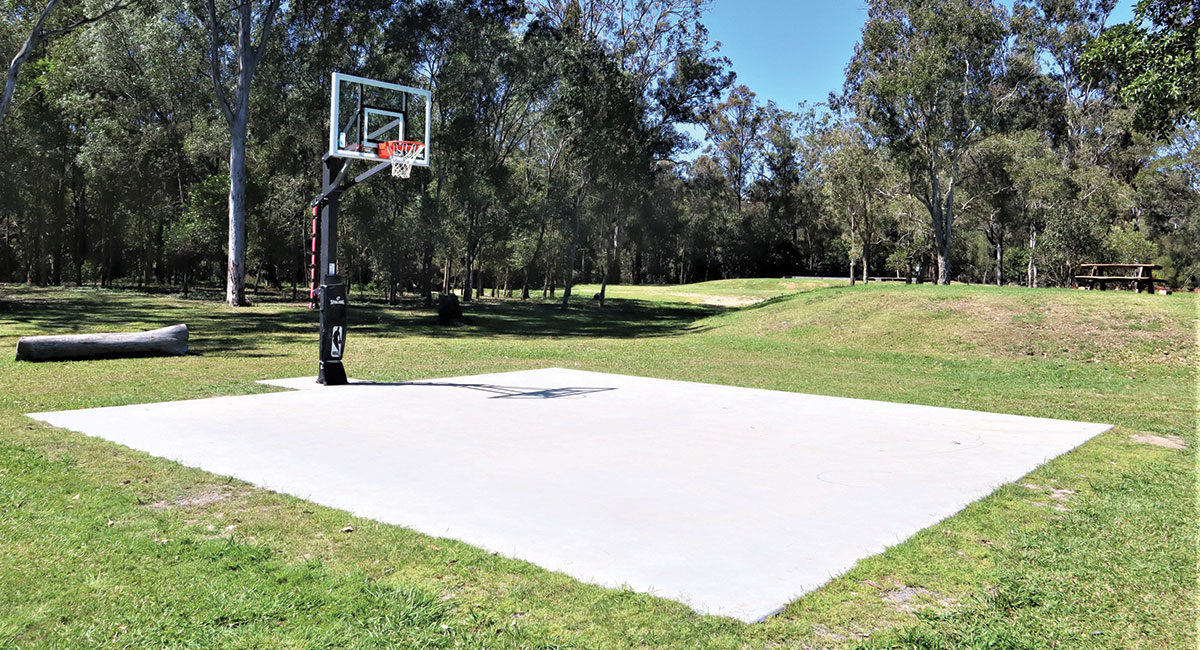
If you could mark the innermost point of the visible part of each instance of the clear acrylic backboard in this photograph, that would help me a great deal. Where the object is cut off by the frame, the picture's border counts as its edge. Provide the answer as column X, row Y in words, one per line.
column 365, row 112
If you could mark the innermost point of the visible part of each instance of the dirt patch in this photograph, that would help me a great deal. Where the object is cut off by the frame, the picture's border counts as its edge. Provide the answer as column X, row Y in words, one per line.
column 1058, row 497
column 824, row 632
column 1170, row 442
column 721, row 301
column 902, row 597
column 905, row 598
column 200, row 499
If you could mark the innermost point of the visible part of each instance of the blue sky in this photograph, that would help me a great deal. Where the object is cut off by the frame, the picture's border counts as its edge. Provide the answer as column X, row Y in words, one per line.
column 793, row 50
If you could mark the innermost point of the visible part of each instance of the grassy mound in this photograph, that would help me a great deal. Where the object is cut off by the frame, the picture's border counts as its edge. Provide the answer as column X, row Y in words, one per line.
column 985, row 321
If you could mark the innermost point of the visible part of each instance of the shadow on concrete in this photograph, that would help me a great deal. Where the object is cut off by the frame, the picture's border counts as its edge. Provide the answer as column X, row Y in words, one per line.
column 501, row 392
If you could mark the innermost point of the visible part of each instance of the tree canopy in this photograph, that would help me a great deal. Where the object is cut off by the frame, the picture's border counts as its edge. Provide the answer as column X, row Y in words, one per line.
column 1155, row 62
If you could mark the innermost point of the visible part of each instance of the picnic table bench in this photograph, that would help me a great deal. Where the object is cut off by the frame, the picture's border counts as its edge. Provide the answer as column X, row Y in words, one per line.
column 1099, row 276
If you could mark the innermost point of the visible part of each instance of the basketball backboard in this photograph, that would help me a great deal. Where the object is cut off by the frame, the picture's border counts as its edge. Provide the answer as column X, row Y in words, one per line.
column 365, row 112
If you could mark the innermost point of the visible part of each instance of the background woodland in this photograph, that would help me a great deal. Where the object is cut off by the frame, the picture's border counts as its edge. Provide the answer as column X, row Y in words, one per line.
column 972, row 141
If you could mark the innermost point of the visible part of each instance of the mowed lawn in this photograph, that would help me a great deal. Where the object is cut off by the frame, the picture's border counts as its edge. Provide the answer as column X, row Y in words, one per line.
column 104, row 547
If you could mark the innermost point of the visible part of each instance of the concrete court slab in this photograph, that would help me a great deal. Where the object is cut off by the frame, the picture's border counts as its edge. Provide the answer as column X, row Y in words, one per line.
column 731, row 500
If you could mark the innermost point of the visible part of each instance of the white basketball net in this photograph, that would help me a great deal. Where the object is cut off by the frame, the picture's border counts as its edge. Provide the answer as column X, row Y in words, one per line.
column 403, row 156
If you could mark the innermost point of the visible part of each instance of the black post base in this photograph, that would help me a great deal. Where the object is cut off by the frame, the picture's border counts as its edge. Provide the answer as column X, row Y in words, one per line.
column 331, row 373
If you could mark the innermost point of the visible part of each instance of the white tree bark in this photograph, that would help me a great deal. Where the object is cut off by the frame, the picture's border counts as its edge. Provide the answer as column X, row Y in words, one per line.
column 237, row 115
column 235, row 281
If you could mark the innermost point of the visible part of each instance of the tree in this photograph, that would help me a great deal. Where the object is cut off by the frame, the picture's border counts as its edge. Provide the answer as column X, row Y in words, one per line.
column 1090, row 133
column 631, row 70
column 1169, row 206
column 196, row 233
column 990, row 198
column 856, row 187
column 1077, row 111
column 782, row 192
column 244, row 56
column 492, row 91
column 735, row 128
column 921, row 80
column 1155, row 62
column 40, row 34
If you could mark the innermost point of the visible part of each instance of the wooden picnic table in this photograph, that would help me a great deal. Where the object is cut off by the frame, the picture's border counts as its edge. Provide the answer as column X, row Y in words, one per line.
column 1099, row 276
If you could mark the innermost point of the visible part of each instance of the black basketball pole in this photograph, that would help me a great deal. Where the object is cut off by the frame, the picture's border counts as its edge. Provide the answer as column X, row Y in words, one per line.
column 331, row 292
column 330, row 287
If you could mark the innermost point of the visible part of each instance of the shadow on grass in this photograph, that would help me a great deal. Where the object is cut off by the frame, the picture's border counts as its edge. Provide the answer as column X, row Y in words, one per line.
column 216, row 331
column 618, row 319
column 211, row 331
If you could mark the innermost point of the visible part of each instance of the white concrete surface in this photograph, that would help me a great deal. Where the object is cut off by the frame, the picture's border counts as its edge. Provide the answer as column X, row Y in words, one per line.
column 732, row 500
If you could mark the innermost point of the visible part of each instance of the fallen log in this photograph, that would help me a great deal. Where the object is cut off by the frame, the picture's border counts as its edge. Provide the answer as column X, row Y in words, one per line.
column 165, row 341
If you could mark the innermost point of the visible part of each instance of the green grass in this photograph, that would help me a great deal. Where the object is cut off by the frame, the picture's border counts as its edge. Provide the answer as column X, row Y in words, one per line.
column 101, row 546
column 722, row 293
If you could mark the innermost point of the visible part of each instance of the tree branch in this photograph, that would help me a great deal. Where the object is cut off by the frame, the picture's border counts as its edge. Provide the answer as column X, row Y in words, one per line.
column 214, row 35
column 80, row 23
column 264, row 36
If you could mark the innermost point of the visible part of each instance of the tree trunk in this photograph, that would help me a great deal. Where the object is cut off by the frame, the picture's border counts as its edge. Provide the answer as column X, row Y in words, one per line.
column 537, row 249
column 608, row 262
column 942, row 214
column 429, row 212
column 1000, row 261
column 298, row 263
column 427, row 270
column 468, row 281
column 235, row 277
column 575, row 231
column 1031, row 269
column 941, row 238
column 56, row 266
column 468, row 278
column 37, row 263
column 612, row 266
column 79, row 251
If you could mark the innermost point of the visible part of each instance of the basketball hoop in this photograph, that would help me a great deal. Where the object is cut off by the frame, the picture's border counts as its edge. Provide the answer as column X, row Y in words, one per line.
column 402, row 154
